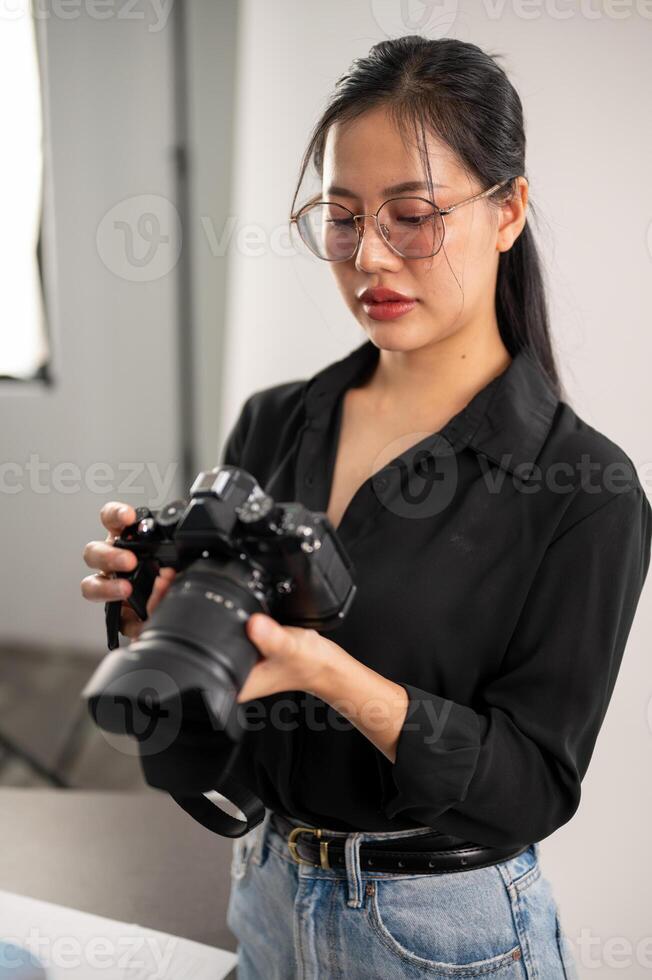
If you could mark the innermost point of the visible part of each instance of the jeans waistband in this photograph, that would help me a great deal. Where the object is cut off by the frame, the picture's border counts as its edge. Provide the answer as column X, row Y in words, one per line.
column 397, row 840
column 352, row 841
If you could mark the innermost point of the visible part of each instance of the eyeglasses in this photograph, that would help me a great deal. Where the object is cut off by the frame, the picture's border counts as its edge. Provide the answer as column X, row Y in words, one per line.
column 413, row 227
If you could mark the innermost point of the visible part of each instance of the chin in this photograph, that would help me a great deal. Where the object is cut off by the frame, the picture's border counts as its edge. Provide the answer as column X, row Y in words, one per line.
column 396, row 335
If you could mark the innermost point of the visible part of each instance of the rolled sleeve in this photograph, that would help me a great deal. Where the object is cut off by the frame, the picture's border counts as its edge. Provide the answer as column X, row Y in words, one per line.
column 509, row 770
column 436, row 754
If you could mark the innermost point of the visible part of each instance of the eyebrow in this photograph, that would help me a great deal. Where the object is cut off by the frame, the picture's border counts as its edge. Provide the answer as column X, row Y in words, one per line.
column 408, row 185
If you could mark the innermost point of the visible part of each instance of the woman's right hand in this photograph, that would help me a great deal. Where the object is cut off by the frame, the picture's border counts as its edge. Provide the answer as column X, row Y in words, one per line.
column 103, row 556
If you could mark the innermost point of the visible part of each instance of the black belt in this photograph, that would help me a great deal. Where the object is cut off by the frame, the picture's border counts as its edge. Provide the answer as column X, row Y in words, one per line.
column 430, row 853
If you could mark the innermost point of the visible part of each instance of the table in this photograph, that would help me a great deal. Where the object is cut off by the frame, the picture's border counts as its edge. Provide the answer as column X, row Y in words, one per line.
column 132, row 856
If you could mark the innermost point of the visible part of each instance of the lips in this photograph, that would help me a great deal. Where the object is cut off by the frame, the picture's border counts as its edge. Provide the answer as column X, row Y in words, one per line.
column 386, row 304
column 380, row 294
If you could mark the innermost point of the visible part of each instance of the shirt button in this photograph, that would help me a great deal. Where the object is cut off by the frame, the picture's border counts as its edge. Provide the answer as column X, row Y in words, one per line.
column 309, row 480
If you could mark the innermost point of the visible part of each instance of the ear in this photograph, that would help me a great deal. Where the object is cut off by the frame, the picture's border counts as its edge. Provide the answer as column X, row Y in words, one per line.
column 512, row 216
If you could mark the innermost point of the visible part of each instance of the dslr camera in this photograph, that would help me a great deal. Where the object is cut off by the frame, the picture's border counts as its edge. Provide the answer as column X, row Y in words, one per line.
column 174, row 688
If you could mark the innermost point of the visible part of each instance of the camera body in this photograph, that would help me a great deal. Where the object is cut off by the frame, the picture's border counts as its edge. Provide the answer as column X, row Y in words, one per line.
column 289, row 558
column 174, row 688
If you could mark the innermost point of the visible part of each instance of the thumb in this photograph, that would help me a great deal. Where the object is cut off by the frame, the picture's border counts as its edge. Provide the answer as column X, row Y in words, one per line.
column 270, row 637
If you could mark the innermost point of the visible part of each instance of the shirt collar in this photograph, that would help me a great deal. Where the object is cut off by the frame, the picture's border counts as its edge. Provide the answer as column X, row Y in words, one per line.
column 508, row 420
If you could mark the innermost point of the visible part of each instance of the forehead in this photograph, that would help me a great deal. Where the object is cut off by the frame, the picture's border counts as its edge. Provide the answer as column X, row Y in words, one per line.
column 370, row 153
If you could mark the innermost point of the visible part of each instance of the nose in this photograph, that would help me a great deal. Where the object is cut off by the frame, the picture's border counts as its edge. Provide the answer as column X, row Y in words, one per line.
column 373, row 251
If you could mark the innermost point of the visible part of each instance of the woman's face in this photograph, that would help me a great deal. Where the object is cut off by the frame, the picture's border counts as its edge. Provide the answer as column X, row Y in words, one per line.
column 455, row 289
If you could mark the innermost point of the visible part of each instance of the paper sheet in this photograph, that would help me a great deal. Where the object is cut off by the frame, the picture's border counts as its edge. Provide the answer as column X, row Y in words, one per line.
column 74, row 945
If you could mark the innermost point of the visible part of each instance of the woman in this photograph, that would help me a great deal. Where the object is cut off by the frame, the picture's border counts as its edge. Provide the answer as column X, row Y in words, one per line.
column 411, row 761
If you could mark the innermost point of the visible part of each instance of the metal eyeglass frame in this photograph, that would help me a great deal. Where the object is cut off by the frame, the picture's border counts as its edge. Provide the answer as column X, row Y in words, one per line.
column 410, row 197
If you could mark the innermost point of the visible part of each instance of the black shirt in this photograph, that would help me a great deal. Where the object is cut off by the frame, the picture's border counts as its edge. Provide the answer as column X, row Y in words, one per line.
column 499, row 563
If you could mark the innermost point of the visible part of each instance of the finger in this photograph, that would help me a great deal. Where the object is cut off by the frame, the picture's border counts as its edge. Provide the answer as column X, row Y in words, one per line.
column 115, row 516
column 270, row 637
column 99, row 588
column 106, row 558
column 159, row 590
column 131, row 624
column 129, row 615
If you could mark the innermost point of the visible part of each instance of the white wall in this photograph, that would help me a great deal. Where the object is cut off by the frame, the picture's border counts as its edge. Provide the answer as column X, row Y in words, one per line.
column 211, row 60
column 584, row 82
column 114, row 398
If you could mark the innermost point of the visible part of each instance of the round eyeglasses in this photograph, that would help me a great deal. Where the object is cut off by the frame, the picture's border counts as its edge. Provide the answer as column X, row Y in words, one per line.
column 413, row 227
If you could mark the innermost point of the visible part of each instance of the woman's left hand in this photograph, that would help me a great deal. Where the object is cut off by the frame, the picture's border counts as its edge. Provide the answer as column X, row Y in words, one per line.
column 293, row 658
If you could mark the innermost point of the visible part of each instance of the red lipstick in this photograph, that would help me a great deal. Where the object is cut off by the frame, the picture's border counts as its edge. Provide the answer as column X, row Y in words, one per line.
column 381, row 303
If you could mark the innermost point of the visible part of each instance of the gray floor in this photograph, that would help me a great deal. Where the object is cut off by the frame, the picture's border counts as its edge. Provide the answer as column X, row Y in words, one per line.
column 46, row 734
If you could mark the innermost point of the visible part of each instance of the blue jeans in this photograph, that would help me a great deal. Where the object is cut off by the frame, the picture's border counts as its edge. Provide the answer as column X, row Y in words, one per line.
column 296, row 922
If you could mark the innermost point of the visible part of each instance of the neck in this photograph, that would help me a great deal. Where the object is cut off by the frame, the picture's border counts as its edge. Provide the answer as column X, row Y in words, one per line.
column 440, row 376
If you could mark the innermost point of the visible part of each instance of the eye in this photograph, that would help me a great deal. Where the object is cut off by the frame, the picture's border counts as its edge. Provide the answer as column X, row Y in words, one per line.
column 408, row 212
column 414, row 219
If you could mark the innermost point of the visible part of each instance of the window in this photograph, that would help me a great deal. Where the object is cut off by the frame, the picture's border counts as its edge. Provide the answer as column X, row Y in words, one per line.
column 24, row 350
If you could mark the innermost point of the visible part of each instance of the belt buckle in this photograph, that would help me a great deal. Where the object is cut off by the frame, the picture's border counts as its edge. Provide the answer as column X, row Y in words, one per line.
column 323, row 847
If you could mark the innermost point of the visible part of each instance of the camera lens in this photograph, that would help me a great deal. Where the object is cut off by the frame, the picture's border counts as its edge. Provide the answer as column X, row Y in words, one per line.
column 193, row 656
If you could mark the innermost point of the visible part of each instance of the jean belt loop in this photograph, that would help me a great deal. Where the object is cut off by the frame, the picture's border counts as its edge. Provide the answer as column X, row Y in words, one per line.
column 259, row 852
column 353, row 870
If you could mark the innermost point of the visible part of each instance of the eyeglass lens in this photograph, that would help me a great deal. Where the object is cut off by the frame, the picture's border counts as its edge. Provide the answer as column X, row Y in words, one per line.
column 410, row 225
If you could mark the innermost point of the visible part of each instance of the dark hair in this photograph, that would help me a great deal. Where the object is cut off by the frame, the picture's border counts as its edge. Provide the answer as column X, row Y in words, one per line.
column 465, row 98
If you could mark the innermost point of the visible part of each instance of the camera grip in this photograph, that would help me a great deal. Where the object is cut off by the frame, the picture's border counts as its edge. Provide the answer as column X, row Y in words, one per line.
column 142, row 579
